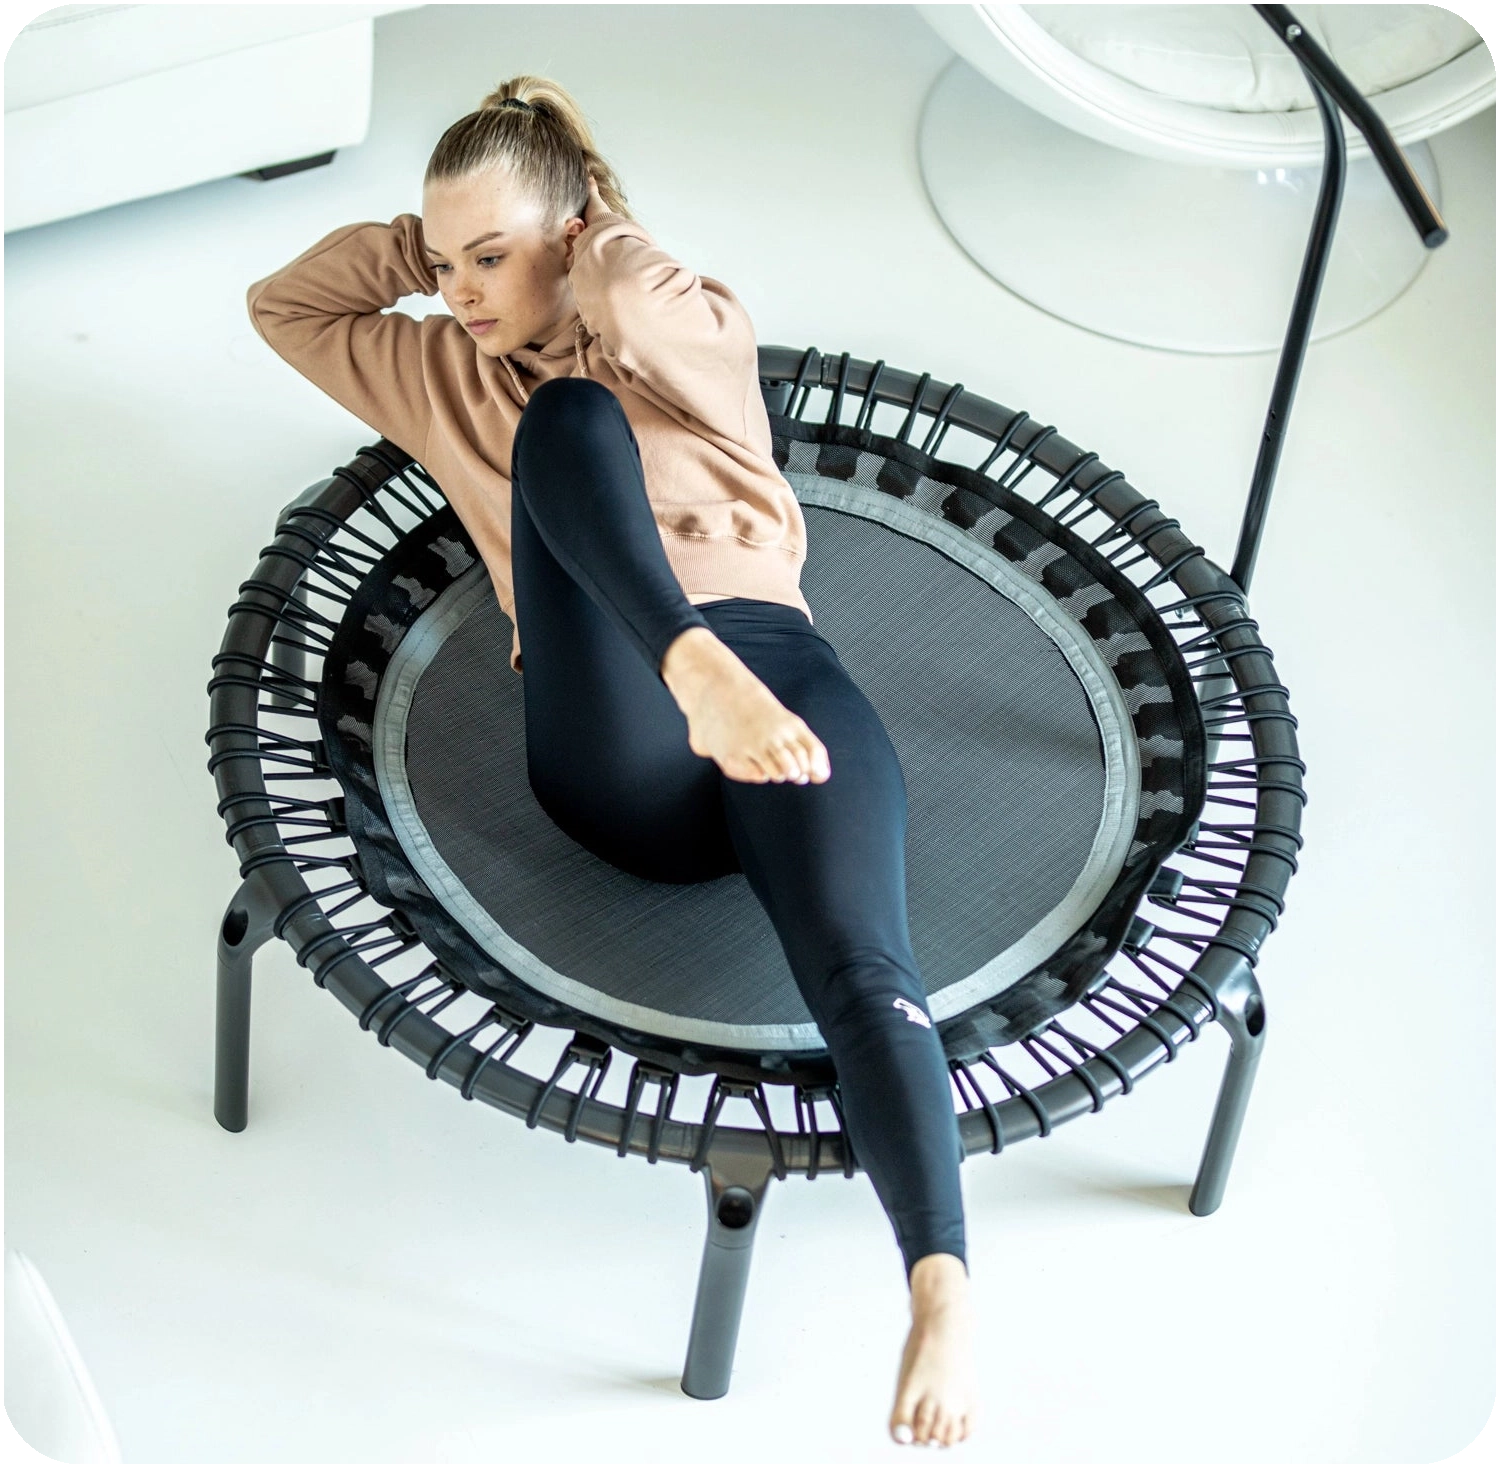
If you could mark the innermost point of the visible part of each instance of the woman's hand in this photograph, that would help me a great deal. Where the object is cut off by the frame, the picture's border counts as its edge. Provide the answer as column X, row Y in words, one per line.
column 596, row 205
column 593, row 209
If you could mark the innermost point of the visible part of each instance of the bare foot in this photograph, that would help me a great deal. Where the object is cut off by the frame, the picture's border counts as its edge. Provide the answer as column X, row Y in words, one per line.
column 936, row 1392
column 735, row 720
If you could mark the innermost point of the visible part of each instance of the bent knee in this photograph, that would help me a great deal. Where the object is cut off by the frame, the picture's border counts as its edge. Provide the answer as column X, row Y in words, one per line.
column 568, row 399
column 569, row 415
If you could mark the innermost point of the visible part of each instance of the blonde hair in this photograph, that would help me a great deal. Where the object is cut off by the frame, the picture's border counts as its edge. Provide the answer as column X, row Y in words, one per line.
column 547, row 147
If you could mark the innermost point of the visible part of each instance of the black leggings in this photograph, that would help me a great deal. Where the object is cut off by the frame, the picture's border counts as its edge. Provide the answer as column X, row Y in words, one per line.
column 597, row 605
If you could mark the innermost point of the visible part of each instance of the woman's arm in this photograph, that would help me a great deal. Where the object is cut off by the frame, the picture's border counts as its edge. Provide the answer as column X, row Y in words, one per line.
column 683, row 336
column 323, row 313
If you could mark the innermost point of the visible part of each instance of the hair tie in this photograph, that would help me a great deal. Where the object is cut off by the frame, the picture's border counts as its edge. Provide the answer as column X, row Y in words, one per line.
column 516, row 102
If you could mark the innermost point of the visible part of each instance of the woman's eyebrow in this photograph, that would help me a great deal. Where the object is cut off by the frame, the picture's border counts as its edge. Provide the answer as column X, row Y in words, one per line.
column 493, row 235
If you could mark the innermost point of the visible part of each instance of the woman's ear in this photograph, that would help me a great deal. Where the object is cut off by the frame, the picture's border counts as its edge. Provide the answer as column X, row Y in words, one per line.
column 574, row 227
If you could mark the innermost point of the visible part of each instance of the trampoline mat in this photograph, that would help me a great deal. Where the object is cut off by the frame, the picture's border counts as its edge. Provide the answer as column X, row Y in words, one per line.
column 1051, row 742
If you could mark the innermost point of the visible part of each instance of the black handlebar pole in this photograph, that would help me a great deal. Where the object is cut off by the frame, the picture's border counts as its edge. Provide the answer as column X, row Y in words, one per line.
column 1315, row 60
column 1331, row 90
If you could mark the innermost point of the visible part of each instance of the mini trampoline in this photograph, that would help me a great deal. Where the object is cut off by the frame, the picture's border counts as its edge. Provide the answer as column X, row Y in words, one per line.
column 1104, row 787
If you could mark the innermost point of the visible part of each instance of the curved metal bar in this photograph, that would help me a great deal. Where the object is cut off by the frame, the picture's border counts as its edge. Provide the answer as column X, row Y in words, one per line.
column 1323, row 71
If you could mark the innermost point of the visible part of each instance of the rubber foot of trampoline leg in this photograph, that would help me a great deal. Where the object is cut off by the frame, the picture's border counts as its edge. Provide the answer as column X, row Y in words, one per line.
column 736, row 1187
column 1242, row 1011
column 248, row 921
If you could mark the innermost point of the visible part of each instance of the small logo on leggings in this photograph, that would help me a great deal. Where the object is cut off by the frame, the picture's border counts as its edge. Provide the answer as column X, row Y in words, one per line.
column 914, row 1014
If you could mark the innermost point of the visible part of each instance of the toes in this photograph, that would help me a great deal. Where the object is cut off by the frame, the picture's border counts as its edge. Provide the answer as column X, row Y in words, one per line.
column 781, row 763
column 901, row 1431
column 807, row 760
column 923, row 1420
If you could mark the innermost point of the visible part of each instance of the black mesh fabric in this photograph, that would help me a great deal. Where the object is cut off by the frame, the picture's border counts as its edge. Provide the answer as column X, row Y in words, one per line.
column 998, row 739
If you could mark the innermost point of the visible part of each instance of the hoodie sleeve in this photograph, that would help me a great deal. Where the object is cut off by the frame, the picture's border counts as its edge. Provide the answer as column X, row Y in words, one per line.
column 323, row 313
column 684, row 337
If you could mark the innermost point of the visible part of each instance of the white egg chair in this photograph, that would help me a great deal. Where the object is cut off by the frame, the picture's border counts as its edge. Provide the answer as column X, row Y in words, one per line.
column 50, row 1396
column 1189, row 139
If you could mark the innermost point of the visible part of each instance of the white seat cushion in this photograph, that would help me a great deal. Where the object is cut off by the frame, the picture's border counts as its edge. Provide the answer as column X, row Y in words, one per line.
column 1226, row 56
column 72, row 49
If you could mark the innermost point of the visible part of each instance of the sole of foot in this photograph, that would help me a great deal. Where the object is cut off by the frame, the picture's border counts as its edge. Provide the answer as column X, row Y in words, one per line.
column 735, row 720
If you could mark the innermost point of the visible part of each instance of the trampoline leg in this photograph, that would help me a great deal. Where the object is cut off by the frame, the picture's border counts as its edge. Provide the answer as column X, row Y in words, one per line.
column 248, row 922
column 736, row 1193
column 1242, row 1011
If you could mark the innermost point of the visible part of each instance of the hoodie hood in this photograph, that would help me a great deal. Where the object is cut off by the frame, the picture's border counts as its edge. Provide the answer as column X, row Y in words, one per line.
column 551, row 359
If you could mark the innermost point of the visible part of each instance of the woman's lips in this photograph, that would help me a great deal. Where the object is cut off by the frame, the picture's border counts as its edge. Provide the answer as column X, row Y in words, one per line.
column 479, row 327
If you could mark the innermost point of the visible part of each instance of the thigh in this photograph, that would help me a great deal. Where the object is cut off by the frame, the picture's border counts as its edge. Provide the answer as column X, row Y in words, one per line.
column 606, row 745
column 828, row 862
column 576, row 470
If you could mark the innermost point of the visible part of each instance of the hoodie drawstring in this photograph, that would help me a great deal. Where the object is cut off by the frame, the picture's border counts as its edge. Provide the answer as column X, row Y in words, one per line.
column 525, row 396
column 579, row 330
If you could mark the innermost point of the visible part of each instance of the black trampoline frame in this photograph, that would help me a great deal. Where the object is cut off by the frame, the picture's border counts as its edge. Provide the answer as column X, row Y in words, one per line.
column 334, row 529
column 281, row 840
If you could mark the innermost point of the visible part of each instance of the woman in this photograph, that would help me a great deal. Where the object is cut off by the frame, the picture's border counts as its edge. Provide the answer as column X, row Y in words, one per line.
column 592, row 411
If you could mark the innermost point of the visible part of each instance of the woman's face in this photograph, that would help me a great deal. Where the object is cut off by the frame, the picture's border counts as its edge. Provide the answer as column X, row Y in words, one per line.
column 493, row 262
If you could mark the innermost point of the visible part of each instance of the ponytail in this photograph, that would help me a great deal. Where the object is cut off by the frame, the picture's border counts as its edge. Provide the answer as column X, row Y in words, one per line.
column 531, row 129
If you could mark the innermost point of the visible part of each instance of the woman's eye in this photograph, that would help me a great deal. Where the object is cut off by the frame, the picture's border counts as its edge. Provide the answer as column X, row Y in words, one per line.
column 438, row 269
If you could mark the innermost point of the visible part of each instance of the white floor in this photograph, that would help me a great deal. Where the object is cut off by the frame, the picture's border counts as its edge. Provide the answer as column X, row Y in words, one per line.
column 375, row 1271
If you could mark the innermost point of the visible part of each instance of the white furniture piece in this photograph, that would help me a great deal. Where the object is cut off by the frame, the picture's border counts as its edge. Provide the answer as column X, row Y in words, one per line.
column 109, row 103
column 50, row 1397
column 1149, row 172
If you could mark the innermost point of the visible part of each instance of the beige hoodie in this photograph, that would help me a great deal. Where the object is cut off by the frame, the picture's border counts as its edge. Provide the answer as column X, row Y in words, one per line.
column 677, row 349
